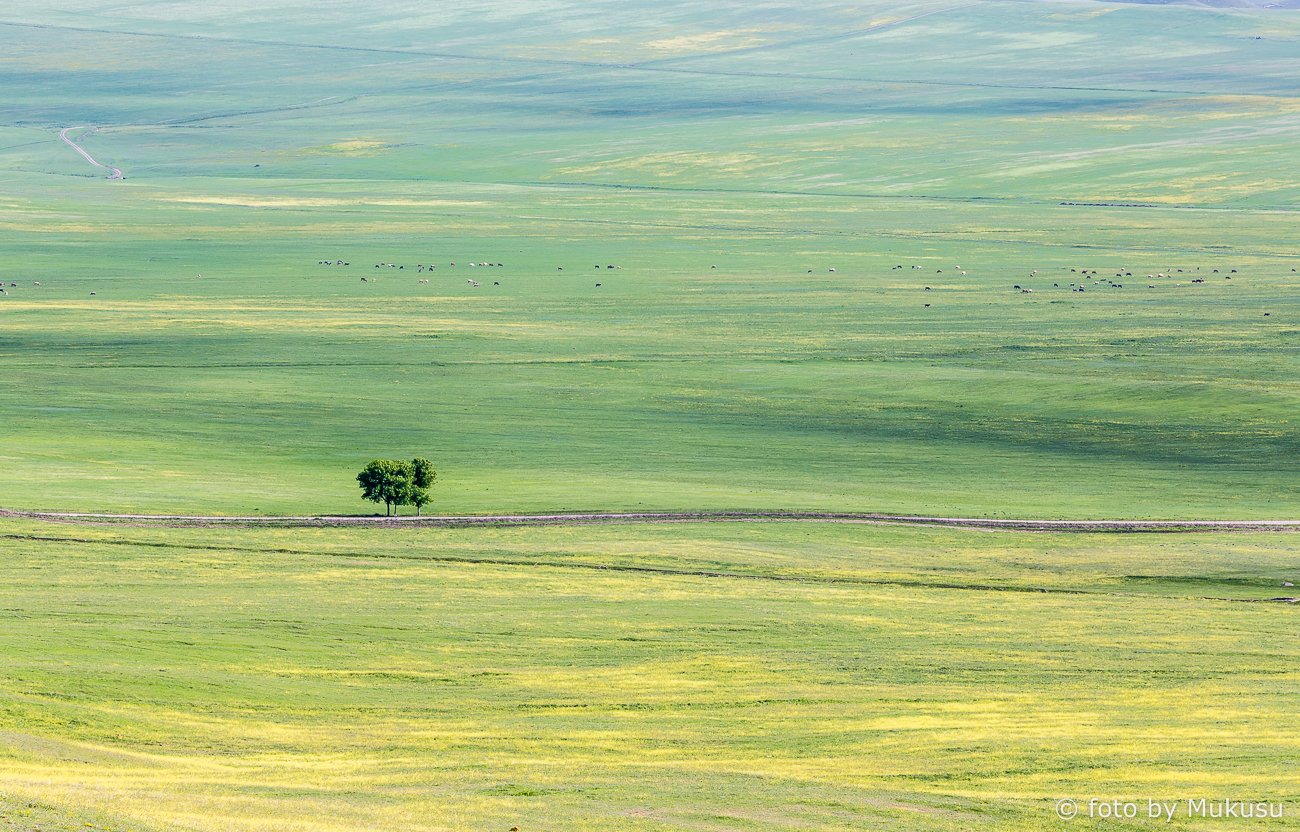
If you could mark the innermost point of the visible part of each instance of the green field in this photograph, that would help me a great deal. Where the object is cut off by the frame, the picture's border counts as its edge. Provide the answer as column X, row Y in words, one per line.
column 813, row 227
column 693, row 677
column 665, row 141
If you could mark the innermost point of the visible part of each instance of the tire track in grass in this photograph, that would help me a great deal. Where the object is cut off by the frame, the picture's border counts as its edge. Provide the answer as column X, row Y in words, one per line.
column 1104, row 526
column 657, row 571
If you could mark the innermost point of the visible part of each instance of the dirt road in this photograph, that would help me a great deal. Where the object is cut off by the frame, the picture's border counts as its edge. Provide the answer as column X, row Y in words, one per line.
column 113, row 173
column 598, row 518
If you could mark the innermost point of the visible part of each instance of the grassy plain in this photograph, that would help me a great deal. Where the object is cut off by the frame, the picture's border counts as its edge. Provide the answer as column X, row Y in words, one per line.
column 701, row 677
column 185, row 351
column 665, row 141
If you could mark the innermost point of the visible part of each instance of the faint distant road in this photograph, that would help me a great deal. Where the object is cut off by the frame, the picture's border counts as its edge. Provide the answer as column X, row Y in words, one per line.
column 113, row 173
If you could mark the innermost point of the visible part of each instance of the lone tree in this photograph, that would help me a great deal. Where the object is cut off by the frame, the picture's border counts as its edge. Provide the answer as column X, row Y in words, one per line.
column 395, row 482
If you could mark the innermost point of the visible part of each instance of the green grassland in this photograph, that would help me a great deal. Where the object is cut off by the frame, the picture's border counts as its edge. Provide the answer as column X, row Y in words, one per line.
column 695, row 676
column 665, row 141
column 755, row 172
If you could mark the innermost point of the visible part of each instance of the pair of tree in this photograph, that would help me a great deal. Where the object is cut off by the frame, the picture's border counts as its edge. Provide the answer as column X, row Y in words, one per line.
column 395, row 482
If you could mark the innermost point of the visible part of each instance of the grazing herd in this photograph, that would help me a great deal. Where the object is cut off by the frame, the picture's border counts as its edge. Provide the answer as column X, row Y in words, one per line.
column 1087, row 278
column 421, row 268
column 1092, row 279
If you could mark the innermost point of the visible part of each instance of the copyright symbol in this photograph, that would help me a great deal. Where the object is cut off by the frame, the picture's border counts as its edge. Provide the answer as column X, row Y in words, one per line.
column 1066, row 809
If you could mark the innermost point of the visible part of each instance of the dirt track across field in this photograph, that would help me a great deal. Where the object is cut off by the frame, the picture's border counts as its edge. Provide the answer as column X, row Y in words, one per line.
column 603, row 518
column 113, row 173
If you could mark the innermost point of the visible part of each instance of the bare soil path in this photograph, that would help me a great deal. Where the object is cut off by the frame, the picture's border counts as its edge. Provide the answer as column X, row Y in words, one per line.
column 602, row 518
column 113, row 173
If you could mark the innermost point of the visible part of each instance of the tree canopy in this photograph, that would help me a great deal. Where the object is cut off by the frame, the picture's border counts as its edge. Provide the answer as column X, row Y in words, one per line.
column 396, row 482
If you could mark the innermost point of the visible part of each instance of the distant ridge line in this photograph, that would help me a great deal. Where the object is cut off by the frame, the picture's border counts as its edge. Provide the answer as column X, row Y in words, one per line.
column 649, row 65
